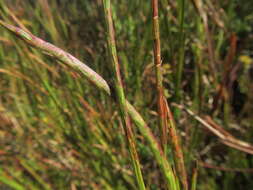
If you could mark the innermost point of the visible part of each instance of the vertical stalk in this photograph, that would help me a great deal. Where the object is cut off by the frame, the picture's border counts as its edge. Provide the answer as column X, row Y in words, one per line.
column 194, row 177
column 198, row 4
column 198, row 60
column 179, row 157
column 121, row 96
column 177, row 150
column 180, row 63
column 159, row 76
column 197, row 86
column 163, row 108
column 167, row 171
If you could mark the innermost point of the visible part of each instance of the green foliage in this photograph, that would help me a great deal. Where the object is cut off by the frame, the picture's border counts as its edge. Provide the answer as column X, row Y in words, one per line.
column 58, row 132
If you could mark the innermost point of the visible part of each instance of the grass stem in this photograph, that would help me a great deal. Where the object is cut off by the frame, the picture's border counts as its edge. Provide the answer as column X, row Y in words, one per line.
column 121, row 96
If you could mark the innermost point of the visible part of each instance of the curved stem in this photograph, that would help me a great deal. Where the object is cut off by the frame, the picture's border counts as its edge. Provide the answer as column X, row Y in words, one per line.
column 92, row 76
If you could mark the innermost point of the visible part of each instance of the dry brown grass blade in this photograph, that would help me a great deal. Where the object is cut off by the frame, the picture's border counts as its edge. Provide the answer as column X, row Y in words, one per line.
column 223, row 90
column 175, row 140
column 163, row 116
column 206, row 165
column 159, row 76
column 224, row 136
column 231, row 140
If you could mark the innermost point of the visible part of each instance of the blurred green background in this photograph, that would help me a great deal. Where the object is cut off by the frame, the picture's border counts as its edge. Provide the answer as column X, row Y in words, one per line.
column 59, row 132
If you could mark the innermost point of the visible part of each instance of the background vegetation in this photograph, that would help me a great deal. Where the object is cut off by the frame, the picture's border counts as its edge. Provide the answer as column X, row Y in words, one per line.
column 59, row 132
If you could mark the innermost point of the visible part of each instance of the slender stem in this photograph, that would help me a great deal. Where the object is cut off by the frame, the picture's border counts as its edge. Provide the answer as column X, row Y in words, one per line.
column 159, row 76
column 199, row 6
column 177, row 150
column 163, row 108
column 180, row 63
column 194, row 177
column 121, row 96
column 99, row 82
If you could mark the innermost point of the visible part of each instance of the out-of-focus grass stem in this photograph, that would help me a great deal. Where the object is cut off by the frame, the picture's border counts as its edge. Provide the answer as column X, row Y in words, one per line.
column 180, row 63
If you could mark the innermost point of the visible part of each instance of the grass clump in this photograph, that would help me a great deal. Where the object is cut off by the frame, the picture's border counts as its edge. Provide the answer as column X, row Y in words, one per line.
column 69, row 97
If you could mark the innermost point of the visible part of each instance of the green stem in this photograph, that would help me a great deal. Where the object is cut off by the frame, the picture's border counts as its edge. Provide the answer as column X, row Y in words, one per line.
column 121, row 96
column 180, row 64
column 163, row 108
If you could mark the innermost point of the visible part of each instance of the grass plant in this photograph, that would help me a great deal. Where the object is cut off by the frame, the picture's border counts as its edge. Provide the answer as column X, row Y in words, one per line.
column 81, row 99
